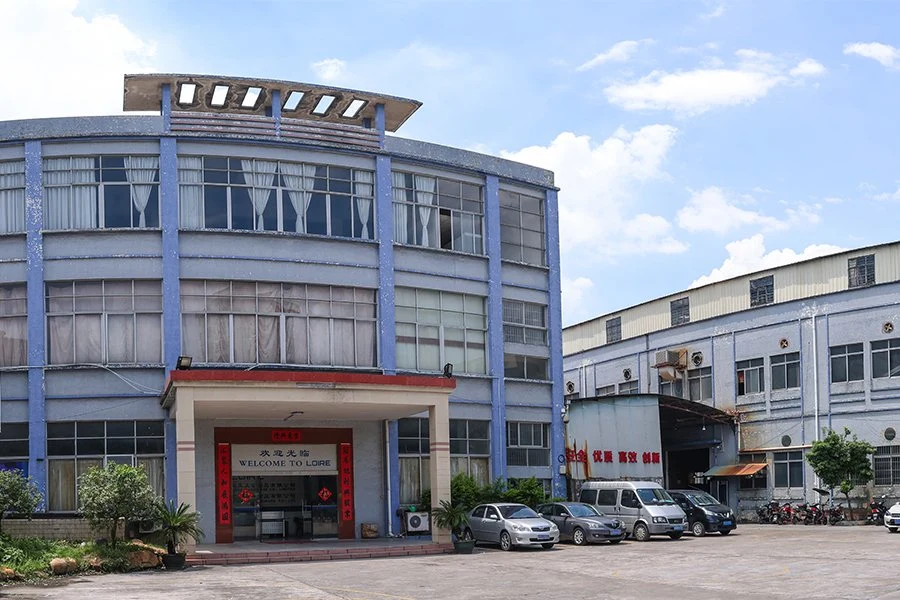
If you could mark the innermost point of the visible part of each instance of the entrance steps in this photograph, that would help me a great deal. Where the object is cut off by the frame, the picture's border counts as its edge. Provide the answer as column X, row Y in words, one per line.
column 237, row 554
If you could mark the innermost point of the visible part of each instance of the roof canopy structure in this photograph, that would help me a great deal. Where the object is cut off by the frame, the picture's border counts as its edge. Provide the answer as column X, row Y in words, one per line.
column 241, row 95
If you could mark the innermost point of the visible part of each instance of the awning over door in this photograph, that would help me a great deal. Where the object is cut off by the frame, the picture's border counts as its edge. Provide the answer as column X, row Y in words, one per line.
column 735, row 470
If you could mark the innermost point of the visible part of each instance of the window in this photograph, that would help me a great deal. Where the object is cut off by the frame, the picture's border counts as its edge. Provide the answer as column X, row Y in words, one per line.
column 629, row 387
column 588, row 496
column 788, row 469
column 524, row 323
column 438, row 213
column 14, row 326
column 606, row 390
column 606, row 497
column 700, row 384
column 470, row 449
column 87, row 192
column 758, row 480
column 886, row 358
column 846, row 363
column 762, row 291
column 75, row 447
column 630, row 499
column 413, row 447
column 268, row 195
column 250, row 322
column 527, row 444
column 681, row 311
column 613, row 330
column 435, row 328
column 886, row 463
column 671, row 388
column 108, row 322
column 522, row 228
column 751, row 378
column 518, row 366
column 14, row 447
column 861, row 271
column 785, row 371
column 12, row 196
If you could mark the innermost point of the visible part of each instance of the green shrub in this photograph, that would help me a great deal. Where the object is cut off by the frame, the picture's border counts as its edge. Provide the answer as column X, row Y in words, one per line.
column 18, row 494
column 529, row 492
column 115, row 492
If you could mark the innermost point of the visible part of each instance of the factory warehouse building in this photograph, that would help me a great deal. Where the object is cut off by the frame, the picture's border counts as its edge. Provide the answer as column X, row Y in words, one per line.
column 743, row 376
column 292, row 320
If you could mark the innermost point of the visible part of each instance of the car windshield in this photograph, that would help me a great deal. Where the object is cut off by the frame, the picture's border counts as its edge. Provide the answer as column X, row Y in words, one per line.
column 702, row 499
column 517, row 512
column 583, row 510
column 655, row 496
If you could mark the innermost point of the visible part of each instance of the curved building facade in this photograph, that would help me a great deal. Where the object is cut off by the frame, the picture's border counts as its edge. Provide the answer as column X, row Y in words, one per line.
column 273, row 306
column 785, row 353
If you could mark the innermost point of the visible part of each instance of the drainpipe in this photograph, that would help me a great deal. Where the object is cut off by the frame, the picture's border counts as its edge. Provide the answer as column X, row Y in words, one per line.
column 387, row 473
column 815, row 375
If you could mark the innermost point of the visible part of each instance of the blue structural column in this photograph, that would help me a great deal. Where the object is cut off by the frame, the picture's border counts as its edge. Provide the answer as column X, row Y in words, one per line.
column 34, row 279
column 554, row 325
column 276, row 111
column 495, row 326
column 171, row 286
column 384, row 219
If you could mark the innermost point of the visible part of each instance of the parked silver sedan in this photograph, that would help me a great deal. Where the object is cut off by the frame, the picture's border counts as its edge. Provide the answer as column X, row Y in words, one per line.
column 582, row 523
column 510, row 525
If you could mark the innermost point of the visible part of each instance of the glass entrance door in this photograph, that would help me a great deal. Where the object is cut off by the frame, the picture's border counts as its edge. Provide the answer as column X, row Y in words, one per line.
column 320, row 505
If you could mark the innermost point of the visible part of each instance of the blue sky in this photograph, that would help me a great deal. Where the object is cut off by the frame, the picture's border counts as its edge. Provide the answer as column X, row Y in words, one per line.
column 692, row 140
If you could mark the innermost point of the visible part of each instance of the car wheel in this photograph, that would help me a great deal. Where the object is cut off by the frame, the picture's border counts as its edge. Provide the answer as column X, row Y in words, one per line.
column 546, row 546
column 725, row 531
column 698, row 528
column 578, row 536
column 468, row 536
column 676, row 535
column 641, row 532
column 505, row 541
column 892, row 529
column 614, row 541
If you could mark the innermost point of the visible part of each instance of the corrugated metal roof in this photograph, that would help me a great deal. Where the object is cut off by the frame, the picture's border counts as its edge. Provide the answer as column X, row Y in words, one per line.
column 735, row 470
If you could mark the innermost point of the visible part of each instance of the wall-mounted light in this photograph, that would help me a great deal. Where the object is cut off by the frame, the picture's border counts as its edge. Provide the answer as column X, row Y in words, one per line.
column 183, row 363
column 448, row 370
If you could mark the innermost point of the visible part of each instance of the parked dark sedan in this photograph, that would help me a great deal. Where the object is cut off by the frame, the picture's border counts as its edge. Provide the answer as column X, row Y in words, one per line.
column 704, row 513
column 582, row 523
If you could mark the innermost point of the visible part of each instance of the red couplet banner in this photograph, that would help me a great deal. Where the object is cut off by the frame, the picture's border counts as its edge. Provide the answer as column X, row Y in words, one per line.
column 223, row 484
column 345, row 462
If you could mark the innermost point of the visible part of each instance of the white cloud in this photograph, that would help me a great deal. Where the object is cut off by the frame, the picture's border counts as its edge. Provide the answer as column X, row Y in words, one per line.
column 888, row 195
column 699, row 90
column 715, row 13
column 66, row 64
column 329, row 70
column 574, row 293
column 808, row 68
column 749, row 255
column 597, row 204
column 888, row 56
column 620, row 52
column 834, row 200
column 711, row 210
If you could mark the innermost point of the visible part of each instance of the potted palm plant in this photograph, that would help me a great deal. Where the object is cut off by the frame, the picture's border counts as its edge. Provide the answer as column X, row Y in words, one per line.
column 455, row 518
column 177, row 525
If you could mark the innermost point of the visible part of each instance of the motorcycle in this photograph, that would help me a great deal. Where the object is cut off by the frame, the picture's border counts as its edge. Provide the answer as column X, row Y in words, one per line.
column 786, row 513
column 877, row 508
column 836, row 514
column 769, row 512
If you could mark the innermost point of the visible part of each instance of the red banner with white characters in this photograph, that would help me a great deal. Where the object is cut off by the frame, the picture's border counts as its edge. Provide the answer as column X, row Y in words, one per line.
column 223, row 484
column 345, row 478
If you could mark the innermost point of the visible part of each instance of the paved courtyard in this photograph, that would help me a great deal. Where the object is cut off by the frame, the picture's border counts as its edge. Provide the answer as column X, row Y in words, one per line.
column 757, row 561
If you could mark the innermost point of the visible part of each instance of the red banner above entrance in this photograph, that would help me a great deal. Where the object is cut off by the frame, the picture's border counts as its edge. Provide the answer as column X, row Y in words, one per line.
column 286, row 435
column 223, row 484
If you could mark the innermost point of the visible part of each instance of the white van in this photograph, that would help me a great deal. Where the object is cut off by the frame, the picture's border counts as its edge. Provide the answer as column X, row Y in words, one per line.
column 645, row 507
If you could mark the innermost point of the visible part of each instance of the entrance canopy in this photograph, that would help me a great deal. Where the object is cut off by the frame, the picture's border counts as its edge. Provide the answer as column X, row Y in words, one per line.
column 735, row 470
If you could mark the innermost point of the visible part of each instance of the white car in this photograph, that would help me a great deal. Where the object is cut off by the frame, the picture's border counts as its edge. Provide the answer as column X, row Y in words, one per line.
column 892, row 518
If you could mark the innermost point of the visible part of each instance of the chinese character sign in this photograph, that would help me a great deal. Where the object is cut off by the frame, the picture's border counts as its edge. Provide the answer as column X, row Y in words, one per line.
column 345, row 481
column 223, row 484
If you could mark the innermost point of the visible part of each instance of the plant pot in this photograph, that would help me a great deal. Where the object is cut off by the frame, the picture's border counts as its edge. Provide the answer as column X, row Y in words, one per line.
column 173, row 562
column 464, row 546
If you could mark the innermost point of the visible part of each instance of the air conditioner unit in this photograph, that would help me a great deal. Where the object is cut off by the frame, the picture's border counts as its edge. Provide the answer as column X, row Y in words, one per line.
column 418, row 522
column 671, row 358
column 148, row 526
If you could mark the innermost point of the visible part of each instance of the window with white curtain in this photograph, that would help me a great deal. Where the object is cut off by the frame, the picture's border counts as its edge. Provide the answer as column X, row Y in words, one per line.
column 13, row 326
column 107, row 322
column 435, row 328
column 87, row 192
column 12, row 196
column 74, row 447
column 250, row 322
column 269, row 195
column 436, row 212
column 522, row 237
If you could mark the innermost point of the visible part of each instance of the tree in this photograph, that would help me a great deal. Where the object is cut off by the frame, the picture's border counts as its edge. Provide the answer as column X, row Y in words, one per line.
column 116, row 492
column 842, row 461
column 18, row 494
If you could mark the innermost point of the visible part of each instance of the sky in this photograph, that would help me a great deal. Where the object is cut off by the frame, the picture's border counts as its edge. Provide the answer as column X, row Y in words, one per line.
column 691, row 141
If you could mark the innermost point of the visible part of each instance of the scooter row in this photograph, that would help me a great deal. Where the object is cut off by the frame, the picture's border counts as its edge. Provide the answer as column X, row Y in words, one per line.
column 806, row 513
